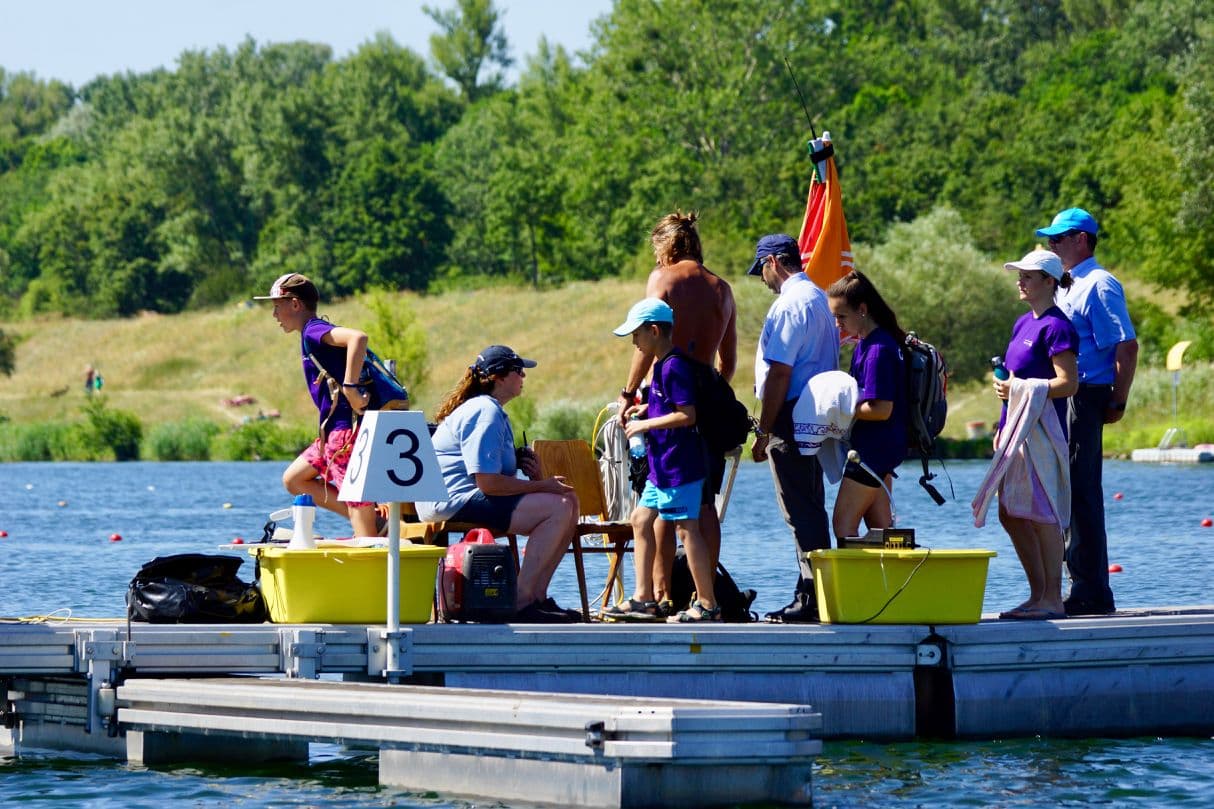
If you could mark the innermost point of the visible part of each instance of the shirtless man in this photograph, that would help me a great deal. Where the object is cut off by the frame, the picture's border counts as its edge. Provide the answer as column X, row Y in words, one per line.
column 705, row 328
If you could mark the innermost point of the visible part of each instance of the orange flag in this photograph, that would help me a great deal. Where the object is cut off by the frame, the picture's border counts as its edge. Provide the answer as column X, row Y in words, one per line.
column 825, row 249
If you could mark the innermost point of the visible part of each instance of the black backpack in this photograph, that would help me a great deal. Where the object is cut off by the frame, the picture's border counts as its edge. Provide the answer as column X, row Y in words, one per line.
column 734, row 603
column 193, row 588
column 927, row 403
column 721, row 420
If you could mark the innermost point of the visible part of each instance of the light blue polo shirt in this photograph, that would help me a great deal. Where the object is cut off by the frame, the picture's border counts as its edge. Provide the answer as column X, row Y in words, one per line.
column 799, row 331
column 1095, row 305
column 476, row 437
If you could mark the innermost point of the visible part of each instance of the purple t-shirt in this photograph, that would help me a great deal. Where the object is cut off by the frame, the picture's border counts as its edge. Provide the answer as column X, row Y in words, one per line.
column 676, row 456
column 880, row 373
column 1035, row 342
column 333, row 360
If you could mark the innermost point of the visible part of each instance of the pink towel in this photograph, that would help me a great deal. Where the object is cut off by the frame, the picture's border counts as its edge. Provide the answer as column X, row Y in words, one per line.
column 1031, row 467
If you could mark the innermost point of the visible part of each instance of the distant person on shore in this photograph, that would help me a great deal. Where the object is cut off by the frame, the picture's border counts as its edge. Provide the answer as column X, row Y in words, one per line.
column 678, row 463
column 476, row 454
column 1035, row 494
column 1108, row 357
column 799, row 339
column 90, row 374
column 339, row 352
column 878, row 434
column 705, row 329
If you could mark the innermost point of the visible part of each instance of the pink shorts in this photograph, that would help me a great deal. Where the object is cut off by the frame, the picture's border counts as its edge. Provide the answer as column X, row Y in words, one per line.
column 331, row 460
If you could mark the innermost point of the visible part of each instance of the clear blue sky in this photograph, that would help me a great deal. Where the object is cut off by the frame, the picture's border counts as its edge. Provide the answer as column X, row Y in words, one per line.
column 76, row 40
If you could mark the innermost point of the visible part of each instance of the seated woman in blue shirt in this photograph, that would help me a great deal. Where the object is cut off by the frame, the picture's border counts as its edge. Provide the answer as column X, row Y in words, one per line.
column 475, row 447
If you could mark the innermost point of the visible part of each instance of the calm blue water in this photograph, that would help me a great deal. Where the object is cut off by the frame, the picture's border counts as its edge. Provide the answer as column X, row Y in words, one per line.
column 58, row 557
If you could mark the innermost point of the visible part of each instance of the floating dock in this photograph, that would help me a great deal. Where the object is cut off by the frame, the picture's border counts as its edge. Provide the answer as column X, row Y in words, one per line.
column 1174, row 455
column 94, row 687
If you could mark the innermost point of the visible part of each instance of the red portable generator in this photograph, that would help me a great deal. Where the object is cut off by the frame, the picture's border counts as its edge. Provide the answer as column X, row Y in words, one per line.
column 478, row 580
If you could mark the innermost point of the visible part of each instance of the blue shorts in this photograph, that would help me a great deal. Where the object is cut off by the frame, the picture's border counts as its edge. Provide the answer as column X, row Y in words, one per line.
column 677, row 503
column 491, row 511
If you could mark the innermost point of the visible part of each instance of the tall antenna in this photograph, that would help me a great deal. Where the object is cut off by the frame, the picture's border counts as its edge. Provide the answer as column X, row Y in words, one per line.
column 801, row 96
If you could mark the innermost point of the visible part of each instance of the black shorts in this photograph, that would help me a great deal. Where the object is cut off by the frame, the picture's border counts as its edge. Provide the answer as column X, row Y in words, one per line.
column 491, row 511
column 713, row 480
column 854, row 472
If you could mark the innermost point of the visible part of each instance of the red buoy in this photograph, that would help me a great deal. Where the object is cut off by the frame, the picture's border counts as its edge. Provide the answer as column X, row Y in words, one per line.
column 3, row 534
column 237, row 541
column 1114, row 568
column 1117, row 496
column 115, row 537
column 1207, row 522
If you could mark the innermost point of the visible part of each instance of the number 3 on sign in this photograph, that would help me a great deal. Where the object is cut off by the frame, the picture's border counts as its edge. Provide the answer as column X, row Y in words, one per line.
column 393, row 460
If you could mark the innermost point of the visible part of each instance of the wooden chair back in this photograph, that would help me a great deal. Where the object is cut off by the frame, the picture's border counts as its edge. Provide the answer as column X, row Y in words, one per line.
column 574, row 460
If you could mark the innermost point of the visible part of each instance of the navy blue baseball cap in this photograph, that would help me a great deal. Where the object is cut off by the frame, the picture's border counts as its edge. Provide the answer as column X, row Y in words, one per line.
column 774, row 244
column 498, row 360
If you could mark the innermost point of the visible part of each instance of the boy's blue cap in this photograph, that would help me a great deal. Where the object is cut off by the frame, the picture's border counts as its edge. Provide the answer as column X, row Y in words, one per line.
column 775, row 244
column 1068, row 220
column 649, row 310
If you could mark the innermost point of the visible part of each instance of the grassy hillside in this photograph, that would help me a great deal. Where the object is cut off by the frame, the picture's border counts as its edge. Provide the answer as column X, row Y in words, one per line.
column 171, row 368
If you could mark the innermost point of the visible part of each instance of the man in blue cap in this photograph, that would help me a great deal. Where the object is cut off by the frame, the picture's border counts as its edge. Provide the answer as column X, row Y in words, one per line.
column 799, row 340
column 1108, row 357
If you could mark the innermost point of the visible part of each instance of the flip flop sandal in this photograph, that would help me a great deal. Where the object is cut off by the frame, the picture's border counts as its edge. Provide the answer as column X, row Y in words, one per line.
column 631, row 609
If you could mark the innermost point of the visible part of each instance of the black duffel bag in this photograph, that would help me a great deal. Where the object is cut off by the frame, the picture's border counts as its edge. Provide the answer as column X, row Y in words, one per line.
column 193, row 588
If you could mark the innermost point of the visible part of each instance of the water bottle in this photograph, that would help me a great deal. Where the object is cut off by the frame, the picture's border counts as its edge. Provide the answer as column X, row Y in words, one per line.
column 303, row 513
column 1001, row 372
column 636, row 444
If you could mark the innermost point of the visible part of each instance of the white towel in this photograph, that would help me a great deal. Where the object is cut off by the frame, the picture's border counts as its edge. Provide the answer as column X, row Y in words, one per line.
column 822, row 419
column 1031, row 444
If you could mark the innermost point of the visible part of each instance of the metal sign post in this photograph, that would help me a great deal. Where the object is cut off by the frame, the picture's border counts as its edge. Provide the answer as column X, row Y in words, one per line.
column 392, row 462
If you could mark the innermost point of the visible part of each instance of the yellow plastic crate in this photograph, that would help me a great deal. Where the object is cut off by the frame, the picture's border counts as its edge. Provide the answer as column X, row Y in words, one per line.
column 921, row 586
column 345, row 585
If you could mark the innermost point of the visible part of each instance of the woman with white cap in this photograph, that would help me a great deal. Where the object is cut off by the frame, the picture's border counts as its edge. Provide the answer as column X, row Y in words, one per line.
column 1034, row 498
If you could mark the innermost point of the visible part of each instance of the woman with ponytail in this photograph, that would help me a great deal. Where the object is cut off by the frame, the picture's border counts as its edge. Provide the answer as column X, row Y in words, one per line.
column 878, row 435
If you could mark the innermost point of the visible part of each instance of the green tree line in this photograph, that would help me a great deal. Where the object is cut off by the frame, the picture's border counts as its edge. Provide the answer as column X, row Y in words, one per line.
column 189, row 187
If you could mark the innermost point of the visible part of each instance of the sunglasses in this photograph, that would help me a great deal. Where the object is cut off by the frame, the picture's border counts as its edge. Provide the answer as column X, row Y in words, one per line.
column 1061, row 236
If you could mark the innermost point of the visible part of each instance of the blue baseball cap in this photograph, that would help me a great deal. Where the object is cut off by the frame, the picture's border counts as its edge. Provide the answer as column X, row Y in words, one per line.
column 774, row 244
column 498, row 360
column 1068, row 220
column 649, row 310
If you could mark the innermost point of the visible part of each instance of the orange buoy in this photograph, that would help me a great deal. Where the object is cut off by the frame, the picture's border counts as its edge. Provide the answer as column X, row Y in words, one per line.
column 1114, row 568
column 61, row 503
column 1117, row 496
column 115, row 537
column 1207, row 522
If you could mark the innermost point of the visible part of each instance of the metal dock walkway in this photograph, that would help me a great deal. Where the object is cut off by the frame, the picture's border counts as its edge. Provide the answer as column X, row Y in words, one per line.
column 1141, row 671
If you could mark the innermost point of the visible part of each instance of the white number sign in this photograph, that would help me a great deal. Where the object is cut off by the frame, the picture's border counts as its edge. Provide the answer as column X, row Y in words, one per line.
column 393, row 460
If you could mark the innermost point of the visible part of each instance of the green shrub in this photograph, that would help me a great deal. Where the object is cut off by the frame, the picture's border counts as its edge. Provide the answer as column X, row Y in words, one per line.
column 947, row 291
column 563, row 419
column 188, row 440
column 107, row 431
column 41, row 442
column 522, row 413
column 261, row 440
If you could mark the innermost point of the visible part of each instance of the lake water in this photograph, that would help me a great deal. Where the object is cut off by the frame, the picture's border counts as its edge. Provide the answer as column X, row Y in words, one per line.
column 59, row 558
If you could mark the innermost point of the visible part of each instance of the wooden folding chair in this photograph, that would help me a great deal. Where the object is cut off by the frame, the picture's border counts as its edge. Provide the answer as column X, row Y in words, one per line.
column 574, row 461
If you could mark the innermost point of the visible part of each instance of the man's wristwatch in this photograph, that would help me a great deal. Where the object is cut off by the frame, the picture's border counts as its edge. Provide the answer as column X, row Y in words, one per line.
column 1117, row 406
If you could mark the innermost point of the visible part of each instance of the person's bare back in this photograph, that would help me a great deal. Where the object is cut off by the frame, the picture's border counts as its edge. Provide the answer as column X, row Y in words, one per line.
column 705, row 313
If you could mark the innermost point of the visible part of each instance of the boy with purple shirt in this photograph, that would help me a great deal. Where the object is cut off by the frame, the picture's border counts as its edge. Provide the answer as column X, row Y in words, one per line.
column 321, row 468
column 678, row 464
